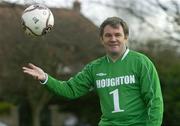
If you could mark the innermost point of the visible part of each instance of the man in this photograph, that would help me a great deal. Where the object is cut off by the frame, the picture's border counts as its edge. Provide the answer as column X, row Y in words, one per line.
column 126, row 81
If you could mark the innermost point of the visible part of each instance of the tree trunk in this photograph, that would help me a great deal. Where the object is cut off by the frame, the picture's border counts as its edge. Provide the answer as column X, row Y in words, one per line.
column 36, row 107
column 36, row 116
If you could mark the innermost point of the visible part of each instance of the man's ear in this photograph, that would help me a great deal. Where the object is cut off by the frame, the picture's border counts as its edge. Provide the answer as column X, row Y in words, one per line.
column 101, row 40
column 126, row 38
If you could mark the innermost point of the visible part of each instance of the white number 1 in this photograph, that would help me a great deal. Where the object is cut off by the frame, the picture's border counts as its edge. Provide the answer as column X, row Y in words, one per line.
column 115, row 94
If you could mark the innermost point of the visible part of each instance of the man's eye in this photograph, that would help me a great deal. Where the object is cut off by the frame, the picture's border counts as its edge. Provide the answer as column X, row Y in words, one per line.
column 118, row 35
column 107, row 35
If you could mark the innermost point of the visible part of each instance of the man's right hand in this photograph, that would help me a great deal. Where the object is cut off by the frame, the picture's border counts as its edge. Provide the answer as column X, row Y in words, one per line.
column 35, row 72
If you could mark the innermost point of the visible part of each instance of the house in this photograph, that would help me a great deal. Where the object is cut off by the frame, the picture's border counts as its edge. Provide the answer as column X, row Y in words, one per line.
column 71, row 44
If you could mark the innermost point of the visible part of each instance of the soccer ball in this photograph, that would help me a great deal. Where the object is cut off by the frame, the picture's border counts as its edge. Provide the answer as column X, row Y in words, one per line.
column 37, row 20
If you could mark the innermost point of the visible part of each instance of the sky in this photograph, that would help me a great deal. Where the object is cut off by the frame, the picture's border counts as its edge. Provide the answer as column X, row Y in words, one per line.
column 91, row 11
column 97, row 13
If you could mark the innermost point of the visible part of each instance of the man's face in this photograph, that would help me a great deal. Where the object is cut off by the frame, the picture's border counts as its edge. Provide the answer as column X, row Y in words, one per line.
column 114, row 40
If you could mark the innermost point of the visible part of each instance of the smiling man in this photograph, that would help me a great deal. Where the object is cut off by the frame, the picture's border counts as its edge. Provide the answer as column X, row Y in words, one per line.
column 126, row 81
column 114, row 38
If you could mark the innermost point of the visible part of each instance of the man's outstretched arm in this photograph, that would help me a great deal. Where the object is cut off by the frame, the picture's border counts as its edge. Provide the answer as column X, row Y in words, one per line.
column 75, row 87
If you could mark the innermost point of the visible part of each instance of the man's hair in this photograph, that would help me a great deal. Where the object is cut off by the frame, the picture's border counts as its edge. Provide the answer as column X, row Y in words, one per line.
column 114, row 22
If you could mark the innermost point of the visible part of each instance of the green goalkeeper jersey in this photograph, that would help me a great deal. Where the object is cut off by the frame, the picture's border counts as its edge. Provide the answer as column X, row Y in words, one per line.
column 128, row 89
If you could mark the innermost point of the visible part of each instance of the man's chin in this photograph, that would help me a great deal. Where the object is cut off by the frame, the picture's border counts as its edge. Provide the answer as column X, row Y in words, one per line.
column 114, row 53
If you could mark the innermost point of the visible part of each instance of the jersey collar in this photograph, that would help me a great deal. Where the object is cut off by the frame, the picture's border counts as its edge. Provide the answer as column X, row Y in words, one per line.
column 123, row 57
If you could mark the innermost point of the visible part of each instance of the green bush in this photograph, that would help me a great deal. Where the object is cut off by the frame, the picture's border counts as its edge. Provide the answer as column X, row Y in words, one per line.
column 5, row 107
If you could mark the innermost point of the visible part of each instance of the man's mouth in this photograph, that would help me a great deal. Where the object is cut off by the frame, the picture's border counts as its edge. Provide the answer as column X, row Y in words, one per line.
column 113, row 45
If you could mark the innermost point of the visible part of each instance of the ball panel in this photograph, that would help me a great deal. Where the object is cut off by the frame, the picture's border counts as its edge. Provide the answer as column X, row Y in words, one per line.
column 49, row 23
column 35, row 6
column 35, row 20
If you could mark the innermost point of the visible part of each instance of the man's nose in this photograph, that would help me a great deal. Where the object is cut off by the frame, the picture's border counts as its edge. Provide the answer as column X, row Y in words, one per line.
column 113, row 38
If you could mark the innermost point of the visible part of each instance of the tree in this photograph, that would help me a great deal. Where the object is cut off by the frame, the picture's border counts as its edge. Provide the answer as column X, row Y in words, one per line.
column 161, row 17
column 167, row 62
column 60, row 53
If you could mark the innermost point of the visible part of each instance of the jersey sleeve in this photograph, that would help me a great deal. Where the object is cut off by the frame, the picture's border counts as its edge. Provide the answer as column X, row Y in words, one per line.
column 151, row 92
column 73, row 88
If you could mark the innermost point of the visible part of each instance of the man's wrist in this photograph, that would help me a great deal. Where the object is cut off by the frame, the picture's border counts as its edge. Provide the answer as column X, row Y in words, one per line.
column 46, row 79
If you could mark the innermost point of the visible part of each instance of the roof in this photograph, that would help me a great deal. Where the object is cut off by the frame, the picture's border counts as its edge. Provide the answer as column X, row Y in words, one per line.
column 74, row 38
